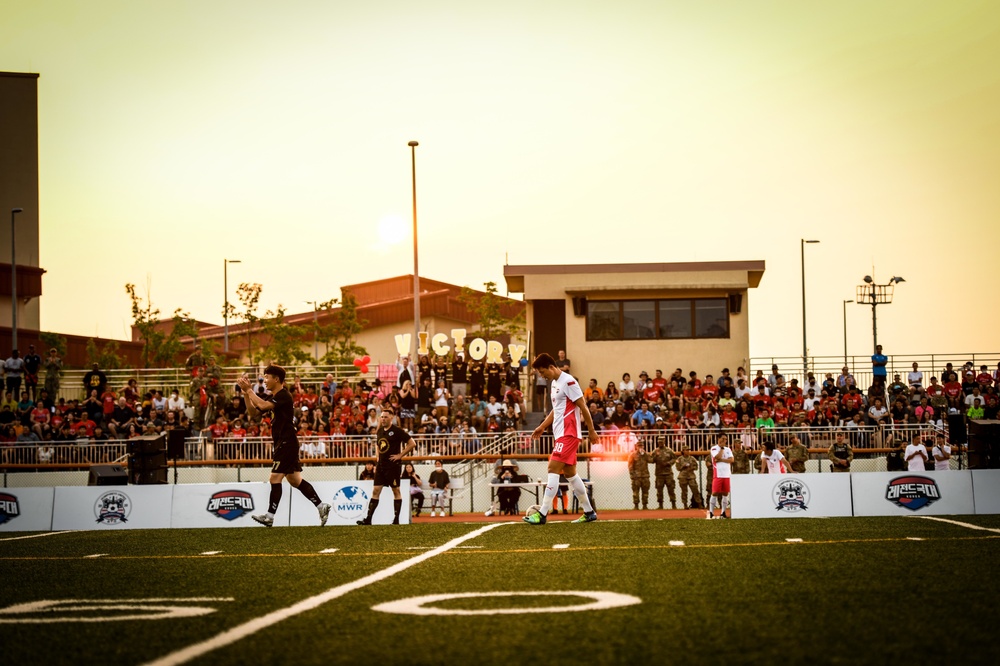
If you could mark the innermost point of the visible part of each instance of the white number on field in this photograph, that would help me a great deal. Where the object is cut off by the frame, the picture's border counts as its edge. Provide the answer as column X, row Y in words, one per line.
column 420, row 605
column 104, row 610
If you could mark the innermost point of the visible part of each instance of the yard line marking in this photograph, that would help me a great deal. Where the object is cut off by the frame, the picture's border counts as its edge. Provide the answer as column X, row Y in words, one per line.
column 561, row 545
column 94, row 557
column 960, row 524
column 468, row 546
column 241, row 631
column 35, row 536
column 794, row 540
column 676, row 543
column 211, row 552
column 419, row 547
column 914, row 539
column 329, row 550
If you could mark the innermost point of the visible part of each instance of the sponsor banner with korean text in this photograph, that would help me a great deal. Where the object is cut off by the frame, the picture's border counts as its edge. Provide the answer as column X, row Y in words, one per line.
column 986, row 490
column 111, row 507
column 26, row 509
column 790, row 495
column 348, row 502
column 225, row 504
column 912, row 493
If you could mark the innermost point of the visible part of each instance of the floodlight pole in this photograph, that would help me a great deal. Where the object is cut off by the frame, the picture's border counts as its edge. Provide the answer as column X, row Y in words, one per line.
column 416, row 271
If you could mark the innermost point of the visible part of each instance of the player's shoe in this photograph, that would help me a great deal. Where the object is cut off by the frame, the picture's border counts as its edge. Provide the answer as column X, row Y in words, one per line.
column 324, row 513
column 535, row 519
column 587, row 518
column 364, row 522
column 264, row 520
column 708, row 515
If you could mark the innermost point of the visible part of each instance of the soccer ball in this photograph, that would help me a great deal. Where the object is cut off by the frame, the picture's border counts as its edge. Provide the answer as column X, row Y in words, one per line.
column 533, row 509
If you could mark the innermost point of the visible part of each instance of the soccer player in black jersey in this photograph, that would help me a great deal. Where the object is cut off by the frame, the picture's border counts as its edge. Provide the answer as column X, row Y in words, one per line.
column 393, row 443
column 286, row 444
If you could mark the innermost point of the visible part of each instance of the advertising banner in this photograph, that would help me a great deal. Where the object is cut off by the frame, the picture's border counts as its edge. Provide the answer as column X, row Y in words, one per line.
column 349, row 503
column 985, row 489
column 226, row 504
column 791, row 495
column 111, row 507
column 912, row 493
column 26, row 509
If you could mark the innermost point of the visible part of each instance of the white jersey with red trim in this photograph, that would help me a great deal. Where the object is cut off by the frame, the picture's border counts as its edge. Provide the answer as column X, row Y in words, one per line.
column 776, row 463
column 721, row 470
column 565, row 391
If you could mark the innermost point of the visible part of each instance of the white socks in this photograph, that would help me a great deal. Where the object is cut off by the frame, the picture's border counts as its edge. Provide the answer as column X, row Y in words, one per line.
column 551, row 487
column 712, row 503
column 580, row 490
column 725, row 502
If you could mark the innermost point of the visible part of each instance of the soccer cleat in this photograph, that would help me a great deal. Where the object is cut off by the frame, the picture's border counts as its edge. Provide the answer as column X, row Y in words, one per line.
column 364, row 522
column 264, row 520
column 324, row 513
column 535, row 519
column 587, row 518
column 708, row 515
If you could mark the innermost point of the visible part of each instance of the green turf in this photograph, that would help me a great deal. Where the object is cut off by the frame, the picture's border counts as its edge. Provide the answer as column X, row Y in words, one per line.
column 870, row 590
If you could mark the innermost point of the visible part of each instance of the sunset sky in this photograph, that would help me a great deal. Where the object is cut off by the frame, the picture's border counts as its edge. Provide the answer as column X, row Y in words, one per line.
column 174, row 135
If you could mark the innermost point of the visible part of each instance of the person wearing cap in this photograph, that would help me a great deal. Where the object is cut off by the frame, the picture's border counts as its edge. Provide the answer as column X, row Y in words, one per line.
column 507, row 495
column 797, row 454
column 840, row 454
column 439, row 482
column 663, row 461
column 638, row 471
column 687, row 479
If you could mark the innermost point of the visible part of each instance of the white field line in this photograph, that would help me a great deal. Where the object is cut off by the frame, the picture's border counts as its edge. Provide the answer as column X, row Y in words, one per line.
column 211, row 552
column 94, row 557
column 960, row 524
column 35, row 536
column 561, row 545
column 329, row 550
column 676, row 543
column 241, row 631
column 914, row 539
column 794, row 540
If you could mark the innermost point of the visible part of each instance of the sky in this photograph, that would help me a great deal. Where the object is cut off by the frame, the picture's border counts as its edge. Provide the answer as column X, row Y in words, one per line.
column 175, row 135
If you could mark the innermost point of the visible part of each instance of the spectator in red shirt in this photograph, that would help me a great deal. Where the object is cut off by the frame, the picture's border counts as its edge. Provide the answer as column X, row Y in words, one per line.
column 953, row 392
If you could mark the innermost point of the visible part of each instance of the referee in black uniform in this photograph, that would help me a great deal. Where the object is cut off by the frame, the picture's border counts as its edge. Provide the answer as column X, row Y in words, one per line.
column 286, row 444
column 393, row 444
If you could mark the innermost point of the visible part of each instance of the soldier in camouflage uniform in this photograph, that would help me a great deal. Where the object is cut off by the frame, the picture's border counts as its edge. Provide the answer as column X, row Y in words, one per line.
column 198, row 397
column 741, row 461
column 664, row 460
column 840, row 454
column 797, row 454
column 195, row 361
column 638, row 470
column 687, row 477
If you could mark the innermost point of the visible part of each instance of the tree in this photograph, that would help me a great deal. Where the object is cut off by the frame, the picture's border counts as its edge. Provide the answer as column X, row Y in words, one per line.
column 106, row 357
column 343, row 330
column 55, row 341
column 488, row 311
column 159, row 348
column 284, row 342
column 249, row 297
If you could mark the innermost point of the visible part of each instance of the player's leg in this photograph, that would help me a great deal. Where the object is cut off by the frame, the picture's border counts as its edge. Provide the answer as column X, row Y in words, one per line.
column 582, row 496
column 295, row 480
column 372, row 505
column 551, row 485
column 397, row 504
column 725, row 497
column 267, row 519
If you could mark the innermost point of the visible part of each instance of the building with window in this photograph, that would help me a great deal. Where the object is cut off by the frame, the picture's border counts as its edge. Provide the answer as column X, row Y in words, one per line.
column 616, row 318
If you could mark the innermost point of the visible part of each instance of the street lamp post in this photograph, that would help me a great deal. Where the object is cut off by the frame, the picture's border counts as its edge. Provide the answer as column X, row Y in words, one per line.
column 876, row 294
column 805, row 348
column 416, row 272
column 13, row 280
column 225, row 302
column 845, row 329
column 315, row 305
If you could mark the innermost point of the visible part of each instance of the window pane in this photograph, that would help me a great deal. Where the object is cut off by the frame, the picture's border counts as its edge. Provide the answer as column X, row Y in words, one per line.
column 603, row 320
column 675, row 319
column 639, row 319
column 711, row 318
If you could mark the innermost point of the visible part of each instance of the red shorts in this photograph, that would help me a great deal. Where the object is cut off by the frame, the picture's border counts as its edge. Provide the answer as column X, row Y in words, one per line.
column 564, row 450
column 720, row 486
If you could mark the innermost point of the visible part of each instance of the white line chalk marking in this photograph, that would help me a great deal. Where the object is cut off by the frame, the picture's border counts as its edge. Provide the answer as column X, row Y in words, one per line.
column 794, row 540
column 960, row 524
column 329, row 550
column 676, row 543
column 241, row 631
column 94, row 557
column 211, row 552
column 561, row 545
column 35, row 536
column 914, row 539
column 419, row 605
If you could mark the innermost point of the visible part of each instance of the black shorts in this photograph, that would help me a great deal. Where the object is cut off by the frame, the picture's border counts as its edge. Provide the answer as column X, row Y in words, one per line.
column 388, row 473
column 286, row 459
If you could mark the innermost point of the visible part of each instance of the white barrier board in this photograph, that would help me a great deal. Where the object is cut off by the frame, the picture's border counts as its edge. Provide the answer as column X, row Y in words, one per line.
column 112, row 507
column 26, row 509
column 912, row 493
column 349, row 503
column 226, row 504
column 986, row 490
column 790, row 495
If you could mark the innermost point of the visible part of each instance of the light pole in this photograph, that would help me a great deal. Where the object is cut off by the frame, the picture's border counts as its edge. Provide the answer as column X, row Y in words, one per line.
column 876, row 294
column 13, row 280
column 416, row 272
column 845, row 329
column 225, row 302
column 805, row 349
column 315, row 305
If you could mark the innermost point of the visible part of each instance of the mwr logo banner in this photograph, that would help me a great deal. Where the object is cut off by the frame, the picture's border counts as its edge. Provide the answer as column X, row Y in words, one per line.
column 225, row 504
column 349, row 503
column 26, row 509
column 912, row 492
column 906, row 494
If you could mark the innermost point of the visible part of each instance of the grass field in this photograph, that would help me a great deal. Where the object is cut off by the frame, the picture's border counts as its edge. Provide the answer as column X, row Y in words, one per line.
column 857, row 590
